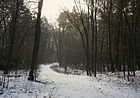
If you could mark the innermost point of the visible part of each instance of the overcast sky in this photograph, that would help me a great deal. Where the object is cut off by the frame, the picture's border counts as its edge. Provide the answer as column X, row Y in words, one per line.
column 51, row 8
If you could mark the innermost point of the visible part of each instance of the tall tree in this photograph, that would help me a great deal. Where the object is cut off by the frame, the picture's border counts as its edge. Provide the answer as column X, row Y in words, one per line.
column 36, row 42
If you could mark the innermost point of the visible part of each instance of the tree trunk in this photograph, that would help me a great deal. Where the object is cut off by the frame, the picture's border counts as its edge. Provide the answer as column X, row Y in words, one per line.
column 36, row 43
column 109, row 32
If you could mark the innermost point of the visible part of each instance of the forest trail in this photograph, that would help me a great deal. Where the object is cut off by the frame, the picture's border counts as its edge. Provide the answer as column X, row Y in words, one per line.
column 80, row 86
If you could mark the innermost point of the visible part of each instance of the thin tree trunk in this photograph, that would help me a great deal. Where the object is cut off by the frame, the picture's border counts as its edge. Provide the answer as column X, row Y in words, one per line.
column 109, row 36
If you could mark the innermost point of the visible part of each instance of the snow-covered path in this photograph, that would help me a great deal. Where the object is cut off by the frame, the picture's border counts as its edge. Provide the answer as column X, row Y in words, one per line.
column 76, row 86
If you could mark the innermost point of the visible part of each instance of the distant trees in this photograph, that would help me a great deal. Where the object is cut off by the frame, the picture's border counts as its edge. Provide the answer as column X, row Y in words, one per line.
column 97, row 35
column 68, row 41
column 108, row 32
column 47, row 47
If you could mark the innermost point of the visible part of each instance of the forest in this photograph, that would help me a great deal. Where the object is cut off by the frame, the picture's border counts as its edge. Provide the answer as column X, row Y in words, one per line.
column 95, row 36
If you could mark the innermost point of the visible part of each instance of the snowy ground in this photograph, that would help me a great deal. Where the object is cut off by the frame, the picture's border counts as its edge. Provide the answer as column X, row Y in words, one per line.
column 59, row 85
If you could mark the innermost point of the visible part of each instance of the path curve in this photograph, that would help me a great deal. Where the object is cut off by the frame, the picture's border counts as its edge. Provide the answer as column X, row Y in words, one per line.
column 76, row 86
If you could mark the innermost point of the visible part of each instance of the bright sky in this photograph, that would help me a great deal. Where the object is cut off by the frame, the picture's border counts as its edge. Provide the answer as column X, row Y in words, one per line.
column 52, row 8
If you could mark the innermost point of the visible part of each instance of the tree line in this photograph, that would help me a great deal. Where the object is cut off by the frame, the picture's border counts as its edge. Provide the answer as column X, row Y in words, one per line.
column 100, row 36
column 96, row 36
